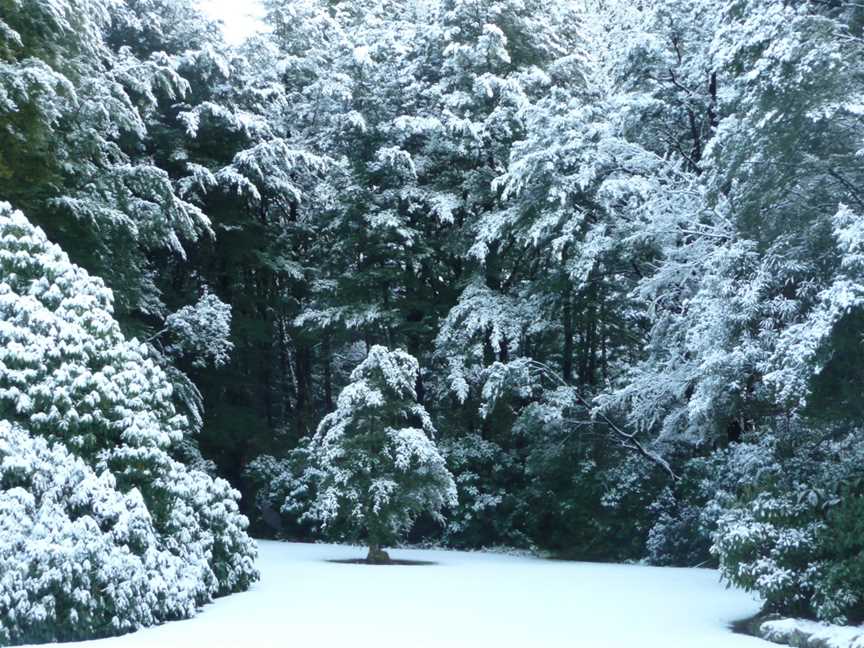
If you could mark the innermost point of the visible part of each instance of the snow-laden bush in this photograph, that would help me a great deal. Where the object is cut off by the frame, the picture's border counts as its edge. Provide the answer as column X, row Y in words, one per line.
column 78, row 557
column 789, row 520
column 284, row 490
column 201, row 332
column 68, row 374
column 771, row 546
column 480, row 469
column 684, row 515
column 677, row 535
column 374, row 463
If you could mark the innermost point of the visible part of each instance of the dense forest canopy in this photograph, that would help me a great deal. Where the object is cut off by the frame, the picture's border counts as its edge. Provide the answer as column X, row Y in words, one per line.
column 622, row 244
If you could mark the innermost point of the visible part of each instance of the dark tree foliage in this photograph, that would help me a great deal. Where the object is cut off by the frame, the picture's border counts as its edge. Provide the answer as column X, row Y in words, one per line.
column 623, row 241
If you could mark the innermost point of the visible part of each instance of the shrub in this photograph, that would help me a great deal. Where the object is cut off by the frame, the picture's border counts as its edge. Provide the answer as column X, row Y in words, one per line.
column 789, row 527
column 78, row 558
column 70, row 377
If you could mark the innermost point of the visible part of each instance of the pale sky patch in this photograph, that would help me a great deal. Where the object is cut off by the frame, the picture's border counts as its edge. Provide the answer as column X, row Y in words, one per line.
column 240, row 18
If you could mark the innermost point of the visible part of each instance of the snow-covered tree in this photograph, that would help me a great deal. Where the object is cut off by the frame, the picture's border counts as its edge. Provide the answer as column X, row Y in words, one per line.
column 752, row 299
column 374, row 460
column 80, row 109
column 68, row 375
column 93, row 94
column 201, row 332
column 80, row 558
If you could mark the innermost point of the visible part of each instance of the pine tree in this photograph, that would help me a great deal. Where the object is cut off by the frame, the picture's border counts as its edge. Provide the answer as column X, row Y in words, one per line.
column 375, row 463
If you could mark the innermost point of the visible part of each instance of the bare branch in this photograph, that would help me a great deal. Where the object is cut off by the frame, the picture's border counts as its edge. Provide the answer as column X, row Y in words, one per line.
column 628, row 439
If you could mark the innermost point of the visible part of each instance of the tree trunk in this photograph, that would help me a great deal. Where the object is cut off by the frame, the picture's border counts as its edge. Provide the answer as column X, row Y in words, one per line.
column 303, row 369
column 328, row 375
column 377, row 555
column 567, row 316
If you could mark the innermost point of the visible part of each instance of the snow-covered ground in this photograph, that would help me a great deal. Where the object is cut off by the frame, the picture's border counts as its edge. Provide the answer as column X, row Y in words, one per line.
column 800, row 632
column 466, row 599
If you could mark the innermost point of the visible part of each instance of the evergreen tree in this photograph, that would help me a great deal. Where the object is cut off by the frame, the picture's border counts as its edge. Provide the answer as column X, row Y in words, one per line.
column 69, row 376
column 375, row 465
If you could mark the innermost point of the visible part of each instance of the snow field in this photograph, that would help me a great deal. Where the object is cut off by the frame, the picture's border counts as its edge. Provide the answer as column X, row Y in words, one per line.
column 465, row 599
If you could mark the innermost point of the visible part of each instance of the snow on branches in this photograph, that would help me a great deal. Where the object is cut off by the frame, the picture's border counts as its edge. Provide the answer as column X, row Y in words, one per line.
column 69, row 376
column 374, row 460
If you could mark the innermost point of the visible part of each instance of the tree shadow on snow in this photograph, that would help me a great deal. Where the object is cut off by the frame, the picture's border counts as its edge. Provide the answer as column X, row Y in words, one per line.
column 363, row 561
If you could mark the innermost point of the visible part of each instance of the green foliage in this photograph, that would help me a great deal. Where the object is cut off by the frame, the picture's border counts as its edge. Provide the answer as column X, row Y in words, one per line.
column 284, row 492
column 844, row 571
column 485, row 474
column 374, row 464
column 786, row 522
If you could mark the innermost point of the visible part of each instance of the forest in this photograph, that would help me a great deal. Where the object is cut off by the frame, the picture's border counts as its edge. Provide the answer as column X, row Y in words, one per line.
column 583, row 278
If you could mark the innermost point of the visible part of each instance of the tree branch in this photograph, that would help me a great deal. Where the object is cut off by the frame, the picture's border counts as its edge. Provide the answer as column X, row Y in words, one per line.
column 628, row 440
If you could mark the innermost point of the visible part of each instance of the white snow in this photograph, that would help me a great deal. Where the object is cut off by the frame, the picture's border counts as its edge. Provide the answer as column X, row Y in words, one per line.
column 466, row 599
column 823, row 634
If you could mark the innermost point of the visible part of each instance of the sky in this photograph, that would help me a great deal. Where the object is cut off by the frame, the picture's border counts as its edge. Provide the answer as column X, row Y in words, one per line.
column 240, row 18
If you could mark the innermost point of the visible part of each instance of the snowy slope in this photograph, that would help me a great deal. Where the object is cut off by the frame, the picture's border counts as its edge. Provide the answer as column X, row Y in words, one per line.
column 467, row 599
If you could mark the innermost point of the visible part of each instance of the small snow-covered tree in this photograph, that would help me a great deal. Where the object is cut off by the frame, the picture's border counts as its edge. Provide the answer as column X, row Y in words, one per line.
column 201, row 332
column 374, row 459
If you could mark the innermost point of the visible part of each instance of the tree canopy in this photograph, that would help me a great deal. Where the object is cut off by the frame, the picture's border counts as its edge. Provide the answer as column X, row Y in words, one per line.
column 610, row 252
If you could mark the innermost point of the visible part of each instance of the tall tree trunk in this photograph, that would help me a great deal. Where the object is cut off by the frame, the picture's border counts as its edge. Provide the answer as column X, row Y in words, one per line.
column 303, row 369
column 264, row 359
column 284, row 382
column 328, row 374
column 567, row 317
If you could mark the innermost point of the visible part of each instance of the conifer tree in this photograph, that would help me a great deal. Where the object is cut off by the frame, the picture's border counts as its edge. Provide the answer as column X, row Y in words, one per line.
column 375, row 463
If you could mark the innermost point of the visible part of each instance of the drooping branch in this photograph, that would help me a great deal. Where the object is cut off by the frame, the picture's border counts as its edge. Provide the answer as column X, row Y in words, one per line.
column 628, row 439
